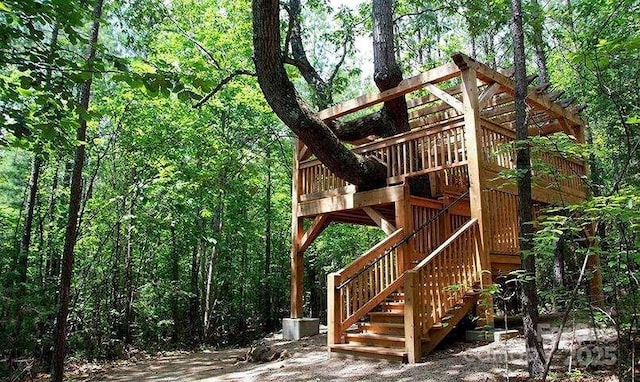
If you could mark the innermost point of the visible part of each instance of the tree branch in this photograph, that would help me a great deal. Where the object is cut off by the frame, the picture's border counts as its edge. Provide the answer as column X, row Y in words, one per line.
column 221, row 84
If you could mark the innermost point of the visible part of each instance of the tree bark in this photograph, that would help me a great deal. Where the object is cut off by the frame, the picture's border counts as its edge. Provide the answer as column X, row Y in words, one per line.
column 321, row 88
column 528, row 296
column 217, row 228
column 194, row 308
column 74, row 205
column 174, row 273
column 294, row 112
column 128, row 272
column 266, row 285
column 538, row 43
column 386, row 71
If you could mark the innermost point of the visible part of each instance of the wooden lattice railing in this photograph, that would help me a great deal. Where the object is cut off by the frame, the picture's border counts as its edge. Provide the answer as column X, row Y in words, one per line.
column 441, row 280
column 427, row 239
column 418, row 152
column 358, row 288
column 568, row 173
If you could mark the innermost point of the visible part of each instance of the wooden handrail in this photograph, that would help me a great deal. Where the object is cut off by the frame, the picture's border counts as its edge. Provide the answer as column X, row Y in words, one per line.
column 371, row 255
column 392, row 140
column 444, row 245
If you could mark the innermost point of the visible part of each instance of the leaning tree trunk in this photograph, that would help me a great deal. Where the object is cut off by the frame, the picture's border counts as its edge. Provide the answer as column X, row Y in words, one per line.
column 294, row 112
column 74, row 206
column 528, row 296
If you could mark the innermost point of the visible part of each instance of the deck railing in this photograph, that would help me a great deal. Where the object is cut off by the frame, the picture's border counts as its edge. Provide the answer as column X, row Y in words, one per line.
column 559, row 172
column 441, row 280
column 414, row 153
column 427, row 150
column 358, row 288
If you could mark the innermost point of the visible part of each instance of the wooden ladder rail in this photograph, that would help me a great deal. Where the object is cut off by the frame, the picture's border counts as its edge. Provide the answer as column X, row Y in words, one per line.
column 438, row 283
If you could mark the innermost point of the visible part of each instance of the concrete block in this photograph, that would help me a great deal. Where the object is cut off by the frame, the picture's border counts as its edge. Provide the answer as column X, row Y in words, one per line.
column 296, row 328
column 479, row 335
column 502, row 335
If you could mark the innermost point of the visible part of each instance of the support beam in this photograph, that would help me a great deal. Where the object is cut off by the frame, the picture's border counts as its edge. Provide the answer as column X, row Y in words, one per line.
column 380, row 220
column 445, row 97
column 477, row 197
column 487, row 94
column 297, row 231
column 539, row 101
column 439, row 74
column 318, row 225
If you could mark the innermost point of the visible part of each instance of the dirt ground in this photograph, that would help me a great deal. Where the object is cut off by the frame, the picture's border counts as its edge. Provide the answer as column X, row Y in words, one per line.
column 308, row 361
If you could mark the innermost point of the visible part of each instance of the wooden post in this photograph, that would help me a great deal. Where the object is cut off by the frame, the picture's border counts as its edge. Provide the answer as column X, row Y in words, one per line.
column 477, row 195
column 297, row 231
column 412, row 333
column 334, row 309
column 403, row 220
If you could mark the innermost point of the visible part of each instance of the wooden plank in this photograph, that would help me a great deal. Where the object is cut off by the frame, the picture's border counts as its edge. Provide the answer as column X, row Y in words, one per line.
column 412, row 335
column 380, row 220
column 445, row 97
column 350, row 201
column 334, row 309
column 505, row 259
column 349, row 189
column 439, row 74
column 373, row 303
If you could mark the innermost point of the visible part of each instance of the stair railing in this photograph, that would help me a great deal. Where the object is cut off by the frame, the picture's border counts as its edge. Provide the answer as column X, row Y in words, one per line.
column 359, row 287
column 439, row 282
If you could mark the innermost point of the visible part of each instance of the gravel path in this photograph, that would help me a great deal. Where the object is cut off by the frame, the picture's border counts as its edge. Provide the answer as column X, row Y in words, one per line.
column 308, row 361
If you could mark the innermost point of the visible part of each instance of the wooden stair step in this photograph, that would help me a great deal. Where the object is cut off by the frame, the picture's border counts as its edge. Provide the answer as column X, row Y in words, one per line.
column 378, row 340
column 394, row 306
column 370, row 352
column 382, row 328
column 388, row 317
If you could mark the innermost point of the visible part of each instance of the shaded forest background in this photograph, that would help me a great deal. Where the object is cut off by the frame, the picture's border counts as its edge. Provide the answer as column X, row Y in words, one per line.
column 184, row 222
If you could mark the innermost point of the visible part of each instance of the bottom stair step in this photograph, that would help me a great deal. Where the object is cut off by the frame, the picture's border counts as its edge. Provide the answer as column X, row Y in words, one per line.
column 370, row 352
column 372, row 339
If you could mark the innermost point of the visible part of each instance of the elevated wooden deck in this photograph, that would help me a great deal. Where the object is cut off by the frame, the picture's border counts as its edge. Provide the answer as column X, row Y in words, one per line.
column 449, row 213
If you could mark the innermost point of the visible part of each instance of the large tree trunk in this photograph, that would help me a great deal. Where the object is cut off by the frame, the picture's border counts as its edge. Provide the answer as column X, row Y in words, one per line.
column 528, row 296
column 294, row 112
column 386, row 71
column 74, row 206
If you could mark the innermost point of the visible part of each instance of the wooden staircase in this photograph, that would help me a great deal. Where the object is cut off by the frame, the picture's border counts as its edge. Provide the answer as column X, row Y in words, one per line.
column 382, row 333
column 406, row 316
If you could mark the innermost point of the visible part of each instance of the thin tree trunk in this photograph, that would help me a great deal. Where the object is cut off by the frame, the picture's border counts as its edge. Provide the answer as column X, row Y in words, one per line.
column 174, row 271
column 217, row 228
column 128, row 271
column 538, row 43
column 194, row 311
column 266, row 285
column 528, row 295
column 74, row 207
column 23, row 253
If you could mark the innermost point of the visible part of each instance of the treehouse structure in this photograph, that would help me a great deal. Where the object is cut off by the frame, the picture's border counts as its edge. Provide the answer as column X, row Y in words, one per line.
column 450, row 219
